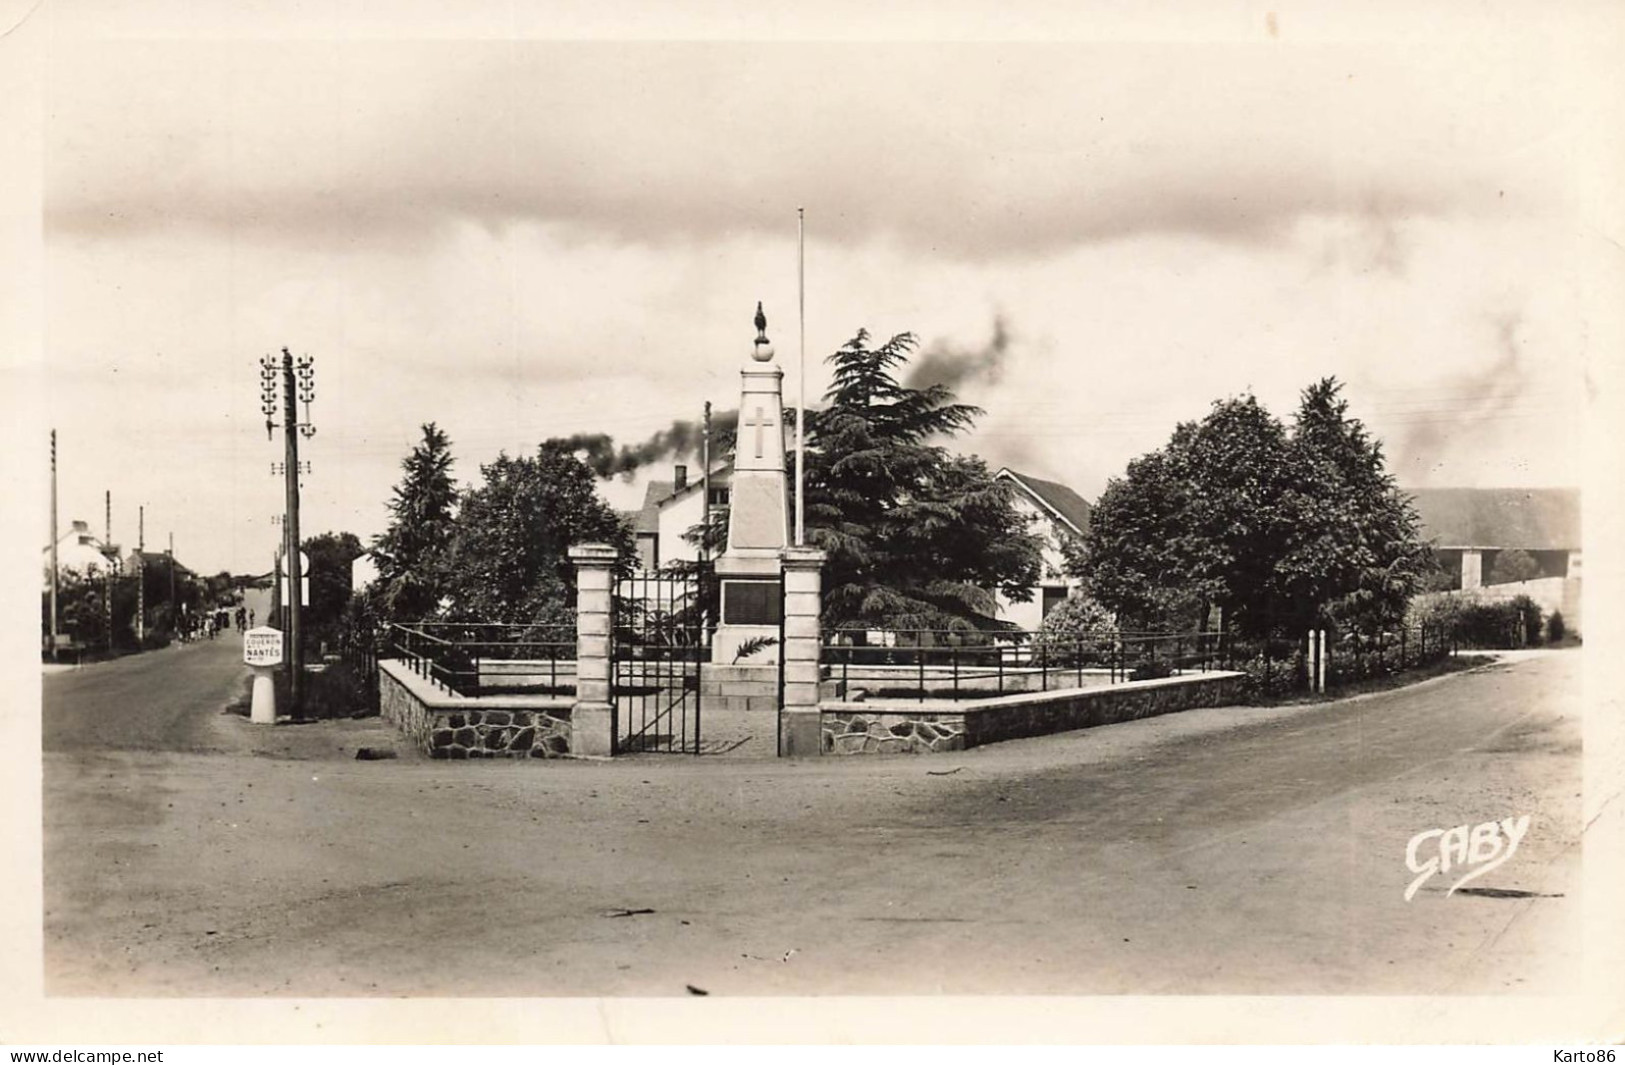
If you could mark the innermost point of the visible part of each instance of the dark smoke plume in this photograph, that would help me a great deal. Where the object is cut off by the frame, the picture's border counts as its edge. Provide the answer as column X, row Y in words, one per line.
column 944, row 364
column 1477, row 401
column 604, row 458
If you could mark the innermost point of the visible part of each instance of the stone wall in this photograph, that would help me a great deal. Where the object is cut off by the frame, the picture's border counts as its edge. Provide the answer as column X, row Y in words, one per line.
column 854, row 728
column 899, row 732
column 1551, row 593
column 445, row 725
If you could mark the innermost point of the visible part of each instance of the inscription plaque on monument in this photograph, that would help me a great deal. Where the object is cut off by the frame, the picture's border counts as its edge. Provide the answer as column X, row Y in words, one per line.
column 752, row 602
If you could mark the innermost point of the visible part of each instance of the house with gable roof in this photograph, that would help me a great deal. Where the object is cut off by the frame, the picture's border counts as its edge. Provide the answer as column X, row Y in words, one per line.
column 1060, row 514
column 671, row 508
column 82, row 550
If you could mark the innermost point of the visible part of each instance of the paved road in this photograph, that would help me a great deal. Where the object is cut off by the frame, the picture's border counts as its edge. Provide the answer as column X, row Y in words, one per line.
column 1239, row 850
column 159, row 701
column 163, row 700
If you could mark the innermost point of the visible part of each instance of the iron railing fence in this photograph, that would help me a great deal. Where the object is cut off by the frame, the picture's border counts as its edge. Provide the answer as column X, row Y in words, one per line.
column 665, row 614
column 954, row 665
column 660, row 634
column 474, row 658
column 1283, row 665
column 361, row 657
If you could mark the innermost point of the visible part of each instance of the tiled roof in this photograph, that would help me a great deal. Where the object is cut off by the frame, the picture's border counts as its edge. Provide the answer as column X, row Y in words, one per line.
column 648, row 518
column 1056, row 497
column 1532, row 519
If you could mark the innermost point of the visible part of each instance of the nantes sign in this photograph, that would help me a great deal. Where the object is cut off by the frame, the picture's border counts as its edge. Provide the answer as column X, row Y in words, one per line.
column 262, row 647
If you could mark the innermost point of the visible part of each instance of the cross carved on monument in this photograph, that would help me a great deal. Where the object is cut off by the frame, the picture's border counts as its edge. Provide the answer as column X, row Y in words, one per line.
column 758, row 422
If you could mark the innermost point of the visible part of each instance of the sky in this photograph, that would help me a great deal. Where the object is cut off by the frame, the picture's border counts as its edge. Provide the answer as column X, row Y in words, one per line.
column 1095, row 234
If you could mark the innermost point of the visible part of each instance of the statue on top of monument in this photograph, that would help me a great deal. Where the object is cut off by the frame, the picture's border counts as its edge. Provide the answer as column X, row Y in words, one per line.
column 763, row 350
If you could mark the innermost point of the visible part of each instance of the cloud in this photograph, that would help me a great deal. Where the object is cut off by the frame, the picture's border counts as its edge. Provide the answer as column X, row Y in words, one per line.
column 964, row 151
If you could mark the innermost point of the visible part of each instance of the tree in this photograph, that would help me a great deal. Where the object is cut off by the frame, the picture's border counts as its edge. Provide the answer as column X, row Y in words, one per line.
column 1513, row 566
column 331, row 557
column 408, row 553
column 81, row 608
column 1195, row 523
column 1436, row 576
column 507, row 559
column 915, row 537
column 1353, row 557
column 1284, row 531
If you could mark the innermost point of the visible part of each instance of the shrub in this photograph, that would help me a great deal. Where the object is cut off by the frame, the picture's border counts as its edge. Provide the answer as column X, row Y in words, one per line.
column 1277, row 676
column 1152, row 670
column 1498, row 625
column 1436, row 613
column 1556, row 627
column 1078, row 627
column 1529, row 619
column 335, row 692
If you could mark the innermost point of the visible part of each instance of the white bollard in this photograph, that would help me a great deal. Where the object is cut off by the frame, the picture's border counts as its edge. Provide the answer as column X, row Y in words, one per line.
column 262, row 652
column 1324, row 656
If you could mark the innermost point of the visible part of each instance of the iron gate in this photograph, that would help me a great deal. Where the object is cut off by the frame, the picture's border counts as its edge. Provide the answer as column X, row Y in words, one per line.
column 659, row 638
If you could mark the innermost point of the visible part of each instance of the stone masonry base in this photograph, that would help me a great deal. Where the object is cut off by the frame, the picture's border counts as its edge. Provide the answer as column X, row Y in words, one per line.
column 856, row 728
column 445, row 725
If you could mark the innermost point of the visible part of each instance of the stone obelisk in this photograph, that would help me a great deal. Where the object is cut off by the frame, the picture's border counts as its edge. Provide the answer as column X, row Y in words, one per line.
column 750, row 569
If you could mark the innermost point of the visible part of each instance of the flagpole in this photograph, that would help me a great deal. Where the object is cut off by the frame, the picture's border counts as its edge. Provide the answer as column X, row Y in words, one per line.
column 801, row 377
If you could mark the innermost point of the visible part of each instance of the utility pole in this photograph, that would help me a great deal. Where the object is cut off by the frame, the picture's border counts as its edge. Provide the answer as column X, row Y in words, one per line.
column 273, row 618
column 705, row 485
column 174, row 607
column 141, row 578
column 292, row 430
column 801, row 376
column 107, row 546
column 53, row 546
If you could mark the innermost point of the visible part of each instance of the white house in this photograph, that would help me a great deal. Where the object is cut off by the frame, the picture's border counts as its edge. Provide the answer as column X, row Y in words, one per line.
column 1060, row 514
column 672, row 508
column 81, row 550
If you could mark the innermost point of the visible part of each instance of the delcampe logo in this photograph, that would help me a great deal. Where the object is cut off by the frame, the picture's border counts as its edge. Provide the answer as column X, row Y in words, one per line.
column 1478, row 847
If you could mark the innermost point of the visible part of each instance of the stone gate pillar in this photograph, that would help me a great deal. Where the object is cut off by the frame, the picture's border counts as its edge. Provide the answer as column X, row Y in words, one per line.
column 800, row 731
column 592, row 726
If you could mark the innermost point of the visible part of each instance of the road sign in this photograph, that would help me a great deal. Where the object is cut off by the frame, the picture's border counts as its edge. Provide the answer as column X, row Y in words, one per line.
column 304, row 579
column 262, row 647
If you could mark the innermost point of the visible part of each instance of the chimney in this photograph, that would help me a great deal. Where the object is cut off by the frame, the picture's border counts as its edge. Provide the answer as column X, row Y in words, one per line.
column 679, row 478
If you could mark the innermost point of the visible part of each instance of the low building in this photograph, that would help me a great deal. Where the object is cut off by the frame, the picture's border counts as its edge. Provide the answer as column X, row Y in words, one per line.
column 1474, row 529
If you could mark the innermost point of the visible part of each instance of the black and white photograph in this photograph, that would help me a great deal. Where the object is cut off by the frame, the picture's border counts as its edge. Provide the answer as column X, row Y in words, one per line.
column 813, row 524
